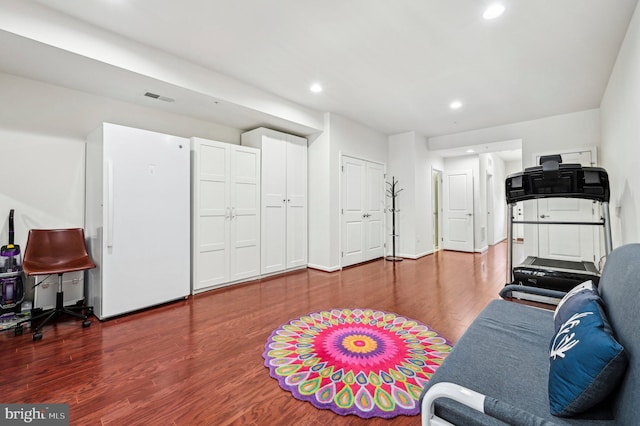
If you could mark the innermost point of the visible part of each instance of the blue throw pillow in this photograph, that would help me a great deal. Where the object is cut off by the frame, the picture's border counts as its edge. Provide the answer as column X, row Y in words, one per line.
column 587, row 362
column 573, row 301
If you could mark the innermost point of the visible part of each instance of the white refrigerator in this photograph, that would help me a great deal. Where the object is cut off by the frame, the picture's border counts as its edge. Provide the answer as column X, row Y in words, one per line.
column 137, row 219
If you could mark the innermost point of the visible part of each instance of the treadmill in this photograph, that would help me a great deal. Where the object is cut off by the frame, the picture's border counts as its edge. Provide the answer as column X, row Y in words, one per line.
column 552, row 179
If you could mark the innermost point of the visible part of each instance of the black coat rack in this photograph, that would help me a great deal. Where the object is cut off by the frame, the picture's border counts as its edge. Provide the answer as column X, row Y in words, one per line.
column 393, row 191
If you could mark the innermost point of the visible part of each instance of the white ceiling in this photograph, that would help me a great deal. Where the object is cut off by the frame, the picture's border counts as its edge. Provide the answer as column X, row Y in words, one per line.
column 392, row 65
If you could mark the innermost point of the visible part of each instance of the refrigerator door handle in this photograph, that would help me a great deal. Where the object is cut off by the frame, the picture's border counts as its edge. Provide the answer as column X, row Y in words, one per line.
column 109, row 221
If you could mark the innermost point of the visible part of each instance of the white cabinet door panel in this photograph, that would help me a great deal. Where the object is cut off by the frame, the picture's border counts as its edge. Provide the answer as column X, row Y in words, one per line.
column 284, row 199
column 244, row 213
column 296, row 202
column 226, row 210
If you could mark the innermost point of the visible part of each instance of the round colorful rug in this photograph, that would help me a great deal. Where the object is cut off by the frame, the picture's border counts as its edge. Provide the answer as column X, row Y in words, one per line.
column 356, row 361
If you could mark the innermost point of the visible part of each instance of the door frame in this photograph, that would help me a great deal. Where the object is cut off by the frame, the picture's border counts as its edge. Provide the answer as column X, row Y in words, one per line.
column 341, row 195
column 438, row 213
column 490, row 210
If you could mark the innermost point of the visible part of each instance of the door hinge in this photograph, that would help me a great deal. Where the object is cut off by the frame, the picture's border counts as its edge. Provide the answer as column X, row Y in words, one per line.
column 342, row 167
column 342, row 211
column 342, row 254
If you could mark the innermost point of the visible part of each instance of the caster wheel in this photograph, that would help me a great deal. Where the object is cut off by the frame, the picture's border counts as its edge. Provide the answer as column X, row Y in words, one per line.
column 18, row 330
column 37, row 336
column 86, row 323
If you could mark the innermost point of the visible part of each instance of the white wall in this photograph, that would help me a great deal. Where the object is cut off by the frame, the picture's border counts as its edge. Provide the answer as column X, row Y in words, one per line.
column 511, row 167
column 42, row 133
column 620, row 151
column 410, row 162
column 341, row 136
column 321, row 241
column 402, row 168
column 575, row 130
column 495, row 167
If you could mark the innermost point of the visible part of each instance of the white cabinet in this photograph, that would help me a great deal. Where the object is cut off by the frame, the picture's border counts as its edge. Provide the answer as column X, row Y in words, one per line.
column 225, row 194
column 284, row 198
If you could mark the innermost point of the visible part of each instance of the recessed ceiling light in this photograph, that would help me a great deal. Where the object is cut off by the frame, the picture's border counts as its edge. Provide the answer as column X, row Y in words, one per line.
column 470, row 151
column 493, row 11
column 455, row 105
column 316, row 88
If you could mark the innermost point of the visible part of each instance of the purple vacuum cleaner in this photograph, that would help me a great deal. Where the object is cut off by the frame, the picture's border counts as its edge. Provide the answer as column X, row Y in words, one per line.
column 11, row 286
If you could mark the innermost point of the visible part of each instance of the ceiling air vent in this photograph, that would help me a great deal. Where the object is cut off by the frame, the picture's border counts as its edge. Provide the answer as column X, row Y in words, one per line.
column 158, row 97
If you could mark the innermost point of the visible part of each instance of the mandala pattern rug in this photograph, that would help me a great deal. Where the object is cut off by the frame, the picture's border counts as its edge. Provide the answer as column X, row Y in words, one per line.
column 363, row 362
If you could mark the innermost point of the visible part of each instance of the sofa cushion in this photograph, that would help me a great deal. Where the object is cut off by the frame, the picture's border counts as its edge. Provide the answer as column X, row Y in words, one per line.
column 586, row 362
column 620, row 291
column 503, row 354
column 575, row 299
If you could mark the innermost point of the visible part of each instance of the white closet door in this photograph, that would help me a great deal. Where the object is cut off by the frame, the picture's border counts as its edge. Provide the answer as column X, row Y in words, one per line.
column 244, row 215
column 296, row 202
column 212, row 198
column 353, row 215
column 363, row 204
column 375, row 205
column 274, row 198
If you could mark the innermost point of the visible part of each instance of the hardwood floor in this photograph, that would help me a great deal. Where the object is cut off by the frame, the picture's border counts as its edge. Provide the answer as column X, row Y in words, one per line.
column 199, row 361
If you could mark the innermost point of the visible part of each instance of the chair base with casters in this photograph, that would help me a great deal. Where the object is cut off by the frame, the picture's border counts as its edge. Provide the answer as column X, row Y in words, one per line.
column 77, row 311
column 56, row 251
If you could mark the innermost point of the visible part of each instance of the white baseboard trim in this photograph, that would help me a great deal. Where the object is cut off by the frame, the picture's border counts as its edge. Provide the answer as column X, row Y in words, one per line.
column 324, row 268
column 482, row 250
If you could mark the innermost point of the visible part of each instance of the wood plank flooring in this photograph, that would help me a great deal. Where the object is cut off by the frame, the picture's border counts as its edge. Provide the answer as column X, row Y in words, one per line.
column 199, row 361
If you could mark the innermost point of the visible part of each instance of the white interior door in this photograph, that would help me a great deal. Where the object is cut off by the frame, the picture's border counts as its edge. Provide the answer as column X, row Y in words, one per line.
column 363, row 207
column 568, row 242
column 244, row 214
column 458, row 206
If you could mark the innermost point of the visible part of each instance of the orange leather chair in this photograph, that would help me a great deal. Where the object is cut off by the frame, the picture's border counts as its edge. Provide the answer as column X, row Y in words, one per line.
column 57, row 251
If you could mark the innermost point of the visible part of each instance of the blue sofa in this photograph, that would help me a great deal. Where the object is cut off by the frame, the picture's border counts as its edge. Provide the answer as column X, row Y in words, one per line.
column 498, row 371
